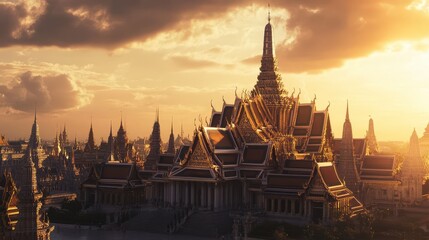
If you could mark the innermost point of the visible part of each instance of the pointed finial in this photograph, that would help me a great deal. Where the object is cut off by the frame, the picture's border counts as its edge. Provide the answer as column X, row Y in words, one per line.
column 200, row 119
column 223, row 99
column 327, row 107
column 236, row 96
column 157, row 115
column 347, row 111
column 171, row 124
column 211, row 104
column 269, row 13
column 111, row 131
column 121, row 119
column 35, row 112
column 181, row 130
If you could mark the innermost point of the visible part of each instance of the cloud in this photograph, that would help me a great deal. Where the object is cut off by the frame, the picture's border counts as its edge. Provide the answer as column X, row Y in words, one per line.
column 98, row 23
column 51, row 93
column 330, row 32
column 321, row 34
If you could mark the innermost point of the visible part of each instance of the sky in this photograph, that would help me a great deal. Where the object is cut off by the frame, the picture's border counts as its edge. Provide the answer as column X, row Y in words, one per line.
column 81, row 61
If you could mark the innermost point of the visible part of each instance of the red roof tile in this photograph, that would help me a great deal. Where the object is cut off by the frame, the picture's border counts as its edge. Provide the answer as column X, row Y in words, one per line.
column 255, row 154
column 304, row 115
column 329, row 175
column 116, row 171
column 228, row 159
column 378, row 162
column 215, row 120
column 318, row 124
column 221, row 138
column 226, row 115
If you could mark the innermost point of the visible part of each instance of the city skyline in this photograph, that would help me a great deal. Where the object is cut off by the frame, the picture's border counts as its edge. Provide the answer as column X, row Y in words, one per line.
column 183, row 62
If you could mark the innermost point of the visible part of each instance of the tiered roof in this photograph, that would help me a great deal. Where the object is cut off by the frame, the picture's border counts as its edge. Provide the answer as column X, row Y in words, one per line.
column 378, row 168
column 9, row 212
column 114, row 175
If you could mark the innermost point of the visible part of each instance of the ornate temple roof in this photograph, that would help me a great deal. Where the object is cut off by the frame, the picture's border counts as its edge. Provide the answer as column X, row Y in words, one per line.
column 9, row 212
column 378, row 168
column 113, row 175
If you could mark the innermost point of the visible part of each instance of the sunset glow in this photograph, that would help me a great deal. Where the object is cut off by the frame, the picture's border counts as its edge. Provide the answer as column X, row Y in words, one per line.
column 375, row 55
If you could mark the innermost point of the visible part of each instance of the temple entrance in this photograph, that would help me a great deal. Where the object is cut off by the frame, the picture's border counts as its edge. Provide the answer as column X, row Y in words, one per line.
column 317, row 212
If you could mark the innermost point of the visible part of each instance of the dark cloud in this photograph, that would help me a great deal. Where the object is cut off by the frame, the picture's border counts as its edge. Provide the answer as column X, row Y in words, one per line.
column 49, row 93
column 102, row 23
column 327, row 32
column 330, row 32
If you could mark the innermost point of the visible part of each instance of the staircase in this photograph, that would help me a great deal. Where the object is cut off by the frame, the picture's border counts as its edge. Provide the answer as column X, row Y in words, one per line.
column 207, row 224
column 151, row 220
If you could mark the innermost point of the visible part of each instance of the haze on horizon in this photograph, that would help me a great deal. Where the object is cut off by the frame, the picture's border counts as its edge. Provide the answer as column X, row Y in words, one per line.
column 95, row 59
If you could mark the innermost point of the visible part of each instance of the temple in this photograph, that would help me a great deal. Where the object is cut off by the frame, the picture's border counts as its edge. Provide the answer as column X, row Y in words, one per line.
column 265, row 151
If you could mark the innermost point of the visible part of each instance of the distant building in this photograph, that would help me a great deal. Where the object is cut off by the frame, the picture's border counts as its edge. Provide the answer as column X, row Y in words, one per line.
column 9, row 213
column 113, row 186
column 424, row 143
column 371, row 139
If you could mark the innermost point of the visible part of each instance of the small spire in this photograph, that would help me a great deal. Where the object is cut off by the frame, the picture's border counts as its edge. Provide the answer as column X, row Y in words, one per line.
column 269, row 13
column 347, row 111
column 121, row 120
column 35, row 113
column 181, row 130
column 157, row 115
column 171, row 125
column 111, row 132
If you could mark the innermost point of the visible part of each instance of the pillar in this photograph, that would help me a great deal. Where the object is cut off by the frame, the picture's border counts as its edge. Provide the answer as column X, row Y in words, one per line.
column 172, row 193
column 177, row 199
column 203, row 194
column 186, row 194
column 216, row 196
column 209, row 195
column 192, row 194
column 221, row 196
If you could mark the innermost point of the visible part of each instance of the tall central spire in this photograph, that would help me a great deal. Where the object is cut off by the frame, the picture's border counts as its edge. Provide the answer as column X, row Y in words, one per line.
column 269, row 84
